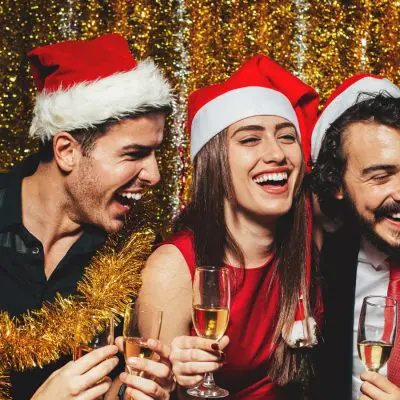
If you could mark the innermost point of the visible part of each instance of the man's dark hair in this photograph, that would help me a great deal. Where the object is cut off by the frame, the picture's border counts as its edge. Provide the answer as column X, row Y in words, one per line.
column 327, row 174
column 87, row 137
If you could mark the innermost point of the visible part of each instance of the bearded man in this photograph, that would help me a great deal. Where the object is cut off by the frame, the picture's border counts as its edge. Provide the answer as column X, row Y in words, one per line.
column 356, row 178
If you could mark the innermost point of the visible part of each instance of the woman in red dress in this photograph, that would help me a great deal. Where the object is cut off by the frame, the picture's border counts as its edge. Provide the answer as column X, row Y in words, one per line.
column 249, row 213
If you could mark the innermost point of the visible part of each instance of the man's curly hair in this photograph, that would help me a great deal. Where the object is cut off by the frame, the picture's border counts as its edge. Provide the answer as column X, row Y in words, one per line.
column 327, row 174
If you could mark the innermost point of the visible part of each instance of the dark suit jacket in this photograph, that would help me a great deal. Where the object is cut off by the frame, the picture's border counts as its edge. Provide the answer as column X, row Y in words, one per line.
column 338, row 267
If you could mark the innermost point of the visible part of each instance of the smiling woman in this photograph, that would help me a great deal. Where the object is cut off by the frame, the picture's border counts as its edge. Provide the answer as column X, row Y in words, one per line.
column 249, row 215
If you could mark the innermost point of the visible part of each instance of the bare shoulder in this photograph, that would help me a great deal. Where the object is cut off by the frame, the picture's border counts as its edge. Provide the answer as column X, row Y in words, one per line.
column 167, row 262
column 167, row 285
column 166, row 253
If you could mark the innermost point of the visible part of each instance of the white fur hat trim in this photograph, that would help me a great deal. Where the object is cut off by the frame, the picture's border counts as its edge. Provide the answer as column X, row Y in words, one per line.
column 90, row 103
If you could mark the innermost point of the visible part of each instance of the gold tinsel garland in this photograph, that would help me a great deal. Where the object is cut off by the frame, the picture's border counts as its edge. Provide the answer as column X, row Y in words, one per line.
column 42, row 336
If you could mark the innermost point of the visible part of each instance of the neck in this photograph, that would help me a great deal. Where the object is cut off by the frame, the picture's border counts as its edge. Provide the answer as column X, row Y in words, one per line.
column 46, row 207
column 254, row 236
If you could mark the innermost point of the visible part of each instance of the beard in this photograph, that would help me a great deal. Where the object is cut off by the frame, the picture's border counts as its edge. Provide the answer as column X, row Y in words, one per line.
column 366, row 226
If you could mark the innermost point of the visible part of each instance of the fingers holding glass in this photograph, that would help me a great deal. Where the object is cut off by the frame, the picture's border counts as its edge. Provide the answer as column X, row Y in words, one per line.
column 142, row 325
column 104, row 336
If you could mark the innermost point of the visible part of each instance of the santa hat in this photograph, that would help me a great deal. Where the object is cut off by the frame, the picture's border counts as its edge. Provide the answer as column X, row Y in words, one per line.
column 83, row 83
column 352, row 90
column 259, row 87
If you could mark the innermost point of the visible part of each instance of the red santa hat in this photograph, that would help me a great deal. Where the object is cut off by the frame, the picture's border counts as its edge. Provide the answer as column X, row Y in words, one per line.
column 259, row 87
column 345, row 96
column 82, row 83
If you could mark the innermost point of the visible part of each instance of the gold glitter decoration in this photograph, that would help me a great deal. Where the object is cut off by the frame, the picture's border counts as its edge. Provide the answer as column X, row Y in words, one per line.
column 110, row 281
column 196, row 43
column 336, row 39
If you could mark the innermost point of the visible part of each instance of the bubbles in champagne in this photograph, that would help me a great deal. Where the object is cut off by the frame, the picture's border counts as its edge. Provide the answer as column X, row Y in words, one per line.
column 210, row 322
column 374, row 354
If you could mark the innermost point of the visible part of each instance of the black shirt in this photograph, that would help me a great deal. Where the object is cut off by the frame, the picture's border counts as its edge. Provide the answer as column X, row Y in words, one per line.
column 23, row 284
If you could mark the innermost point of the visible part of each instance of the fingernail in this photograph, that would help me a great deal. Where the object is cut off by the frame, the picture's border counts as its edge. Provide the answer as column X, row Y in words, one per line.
column 123, row 376
column 221, row 364
column 152, row 342
column 133, row 360
column 215, row 346
column 222, row 356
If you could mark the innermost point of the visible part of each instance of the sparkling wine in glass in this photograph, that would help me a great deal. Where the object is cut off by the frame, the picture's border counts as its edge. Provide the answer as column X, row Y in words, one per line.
column 376, row 331
column 210, row 315
column 141, row 323
column 104, row 337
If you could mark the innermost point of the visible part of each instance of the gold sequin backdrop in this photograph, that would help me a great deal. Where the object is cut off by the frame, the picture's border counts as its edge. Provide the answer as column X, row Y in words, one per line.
column 196, row 42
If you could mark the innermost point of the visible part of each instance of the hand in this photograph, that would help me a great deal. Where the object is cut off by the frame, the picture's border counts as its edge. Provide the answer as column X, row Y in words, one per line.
column 78, row 379
column 378, row 387
column 193, row 356
column 161, row 382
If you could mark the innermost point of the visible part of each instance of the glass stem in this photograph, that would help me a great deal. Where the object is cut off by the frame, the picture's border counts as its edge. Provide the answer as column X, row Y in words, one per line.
column 208, row 380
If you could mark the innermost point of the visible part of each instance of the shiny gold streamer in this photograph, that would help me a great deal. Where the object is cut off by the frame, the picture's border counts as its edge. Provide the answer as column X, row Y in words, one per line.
column 110, row 281
column 340, row 39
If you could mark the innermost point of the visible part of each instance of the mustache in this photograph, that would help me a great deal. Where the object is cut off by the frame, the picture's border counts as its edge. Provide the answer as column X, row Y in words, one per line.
column 387, row 210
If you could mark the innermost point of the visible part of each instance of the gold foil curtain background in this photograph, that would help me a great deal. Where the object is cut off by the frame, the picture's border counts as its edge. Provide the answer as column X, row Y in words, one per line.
column 196, row 43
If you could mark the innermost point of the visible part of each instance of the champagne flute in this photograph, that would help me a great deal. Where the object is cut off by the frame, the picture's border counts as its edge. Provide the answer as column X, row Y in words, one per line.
column 101, row 339
column 211, row 302
column 141, row 323
column 376, row 331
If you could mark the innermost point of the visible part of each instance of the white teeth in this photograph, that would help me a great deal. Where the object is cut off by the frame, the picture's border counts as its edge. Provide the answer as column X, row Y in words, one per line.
column 271, row 177
column 396, row 216
column 133, row 196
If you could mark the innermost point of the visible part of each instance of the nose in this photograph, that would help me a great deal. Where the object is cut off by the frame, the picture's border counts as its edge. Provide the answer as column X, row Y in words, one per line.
column 150, row 173
column 396, row 195
column 272, row 152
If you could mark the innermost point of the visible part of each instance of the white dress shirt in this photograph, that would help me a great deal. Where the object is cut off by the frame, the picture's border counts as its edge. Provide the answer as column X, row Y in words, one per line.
column 372, row 279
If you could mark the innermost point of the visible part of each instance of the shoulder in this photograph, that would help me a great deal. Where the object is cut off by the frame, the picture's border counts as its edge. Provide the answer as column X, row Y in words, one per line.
column 165, row 256
column 165, row 263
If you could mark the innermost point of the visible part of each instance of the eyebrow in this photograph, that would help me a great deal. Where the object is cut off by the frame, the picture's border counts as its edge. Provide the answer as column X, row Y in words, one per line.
column 259, row 128
column 139, row 147
column 379, row 167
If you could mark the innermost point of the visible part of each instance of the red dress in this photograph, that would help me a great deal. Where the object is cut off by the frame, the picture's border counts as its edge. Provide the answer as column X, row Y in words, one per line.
column 250, row 329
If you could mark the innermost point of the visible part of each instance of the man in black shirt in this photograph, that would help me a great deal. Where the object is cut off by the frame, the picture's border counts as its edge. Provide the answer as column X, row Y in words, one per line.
column 99, row 116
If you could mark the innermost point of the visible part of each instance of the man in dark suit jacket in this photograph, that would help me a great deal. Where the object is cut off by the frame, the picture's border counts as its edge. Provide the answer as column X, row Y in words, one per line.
column 356, row 178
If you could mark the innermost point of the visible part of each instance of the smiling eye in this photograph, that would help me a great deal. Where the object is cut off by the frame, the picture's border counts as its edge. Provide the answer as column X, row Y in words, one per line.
column 381, row 178
column 249, row 140
column 288, row 137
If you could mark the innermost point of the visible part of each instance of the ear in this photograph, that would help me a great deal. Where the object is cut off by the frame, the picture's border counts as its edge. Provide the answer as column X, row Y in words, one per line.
column 67, row 151
column 339, row 194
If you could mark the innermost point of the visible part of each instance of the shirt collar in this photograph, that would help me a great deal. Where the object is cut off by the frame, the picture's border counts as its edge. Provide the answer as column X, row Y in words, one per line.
column 370, row 254
column 10, row 199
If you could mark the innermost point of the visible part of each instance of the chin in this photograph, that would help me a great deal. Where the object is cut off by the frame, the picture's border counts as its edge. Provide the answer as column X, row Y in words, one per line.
column 383, row 240
column 112, row 226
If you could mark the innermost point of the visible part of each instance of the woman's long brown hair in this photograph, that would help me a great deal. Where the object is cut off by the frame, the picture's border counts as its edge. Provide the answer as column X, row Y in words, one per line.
column 212, row 183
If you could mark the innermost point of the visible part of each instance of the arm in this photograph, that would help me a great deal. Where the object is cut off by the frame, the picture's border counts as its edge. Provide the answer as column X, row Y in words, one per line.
column 378, row 387
column 167, row 286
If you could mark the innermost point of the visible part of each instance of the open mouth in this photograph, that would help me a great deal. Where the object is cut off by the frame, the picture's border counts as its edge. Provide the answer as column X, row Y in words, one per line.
column 274, row 179
column 126, row 198
column 394, row 217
